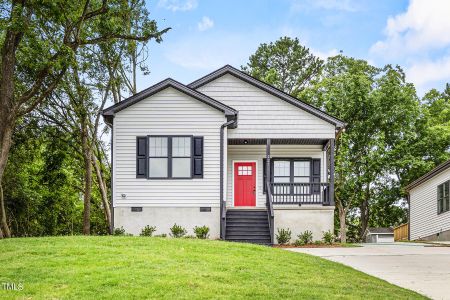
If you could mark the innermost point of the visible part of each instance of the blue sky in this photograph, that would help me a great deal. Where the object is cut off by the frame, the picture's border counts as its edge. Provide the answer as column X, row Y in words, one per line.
column 207, row 34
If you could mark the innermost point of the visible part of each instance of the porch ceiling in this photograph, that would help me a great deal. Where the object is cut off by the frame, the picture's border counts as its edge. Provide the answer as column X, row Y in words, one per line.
column 283, row 141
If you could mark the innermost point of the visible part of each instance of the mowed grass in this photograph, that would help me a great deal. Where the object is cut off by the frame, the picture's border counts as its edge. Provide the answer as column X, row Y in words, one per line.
column 142, row 268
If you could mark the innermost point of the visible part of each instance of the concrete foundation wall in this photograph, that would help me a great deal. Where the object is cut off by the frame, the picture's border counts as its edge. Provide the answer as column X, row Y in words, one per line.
column 316, row 219
column 164, row 218
column 443, row 236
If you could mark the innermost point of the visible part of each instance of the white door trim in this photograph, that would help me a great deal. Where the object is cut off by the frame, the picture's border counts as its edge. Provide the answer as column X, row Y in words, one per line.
column 256, row 179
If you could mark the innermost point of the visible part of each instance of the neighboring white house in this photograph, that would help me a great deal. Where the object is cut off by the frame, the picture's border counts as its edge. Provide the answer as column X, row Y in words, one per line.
column 227, row 151
column 429, row 205
column 379, row 235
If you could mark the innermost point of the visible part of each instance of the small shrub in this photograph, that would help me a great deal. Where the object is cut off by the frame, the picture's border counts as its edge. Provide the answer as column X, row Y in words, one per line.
column 328, row 237
column 148, row 230
column 306, row 237
column 177, row 231
column 283, row 236
column 162, row 235
column 119, row 231
column 318, row 242
column 298, row 243
column 201, row 232
column 189, row 236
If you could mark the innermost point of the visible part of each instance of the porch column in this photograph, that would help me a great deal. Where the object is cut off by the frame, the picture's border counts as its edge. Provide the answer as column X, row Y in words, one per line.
column 268, row 141
column 331, row 195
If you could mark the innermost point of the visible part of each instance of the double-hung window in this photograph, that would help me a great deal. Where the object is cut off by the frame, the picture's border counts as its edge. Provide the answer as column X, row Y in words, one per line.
column 289, row 171
column 170, row 156
column 443, row 197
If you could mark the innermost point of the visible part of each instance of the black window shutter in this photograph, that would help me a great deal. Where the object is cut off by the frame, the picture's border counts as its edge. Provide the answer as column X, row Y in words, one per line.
column 315, row 175
column 141, row 157
column 197, row 157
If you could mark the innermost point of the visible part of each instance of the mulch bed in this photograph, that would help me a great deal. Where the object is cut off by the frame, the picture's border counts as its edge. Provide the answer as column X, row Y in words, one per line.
column 310, row 246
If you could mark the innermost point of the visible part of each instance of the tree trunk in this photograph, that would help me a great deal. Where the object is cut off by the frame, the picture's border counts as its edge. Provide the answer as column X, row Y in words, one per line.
column 342, row 219
column 101, row 184
column 87, row 178
column 364, row 208
column 4, row 224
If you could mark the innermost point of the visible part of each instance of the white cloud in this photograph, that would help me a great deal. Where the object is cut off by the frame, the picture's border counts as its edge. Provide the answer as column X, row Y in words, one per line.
column 324, row 54
column 178, row 5
column 426, row 73
column 342, row 5
column 205, row 24
column 424, row 26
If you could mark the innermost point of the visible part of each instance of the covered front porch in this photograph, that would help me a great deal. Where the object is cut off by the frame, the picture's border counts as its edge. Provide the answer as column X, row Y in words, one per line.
column 280, row 177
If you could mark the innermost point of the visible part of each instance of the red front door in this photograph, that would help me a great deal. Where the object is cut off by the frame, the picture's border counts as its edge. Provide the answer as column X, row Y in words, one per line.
column 244, row 184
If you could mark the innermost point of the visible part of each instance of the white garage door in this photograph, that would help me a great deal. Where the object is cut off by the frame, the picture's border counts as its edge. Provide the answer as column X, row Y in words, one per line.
column 385, row 238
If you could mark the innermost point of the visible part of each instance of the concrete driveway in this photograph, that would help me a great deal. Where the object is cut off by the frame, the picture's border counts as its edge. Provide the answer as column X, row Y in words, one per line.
column 422, row 268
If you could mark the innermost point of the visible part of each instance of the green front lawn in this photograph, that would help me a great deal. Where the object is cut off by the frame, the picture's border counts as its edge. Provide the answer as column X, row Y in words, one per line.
column 140, row 267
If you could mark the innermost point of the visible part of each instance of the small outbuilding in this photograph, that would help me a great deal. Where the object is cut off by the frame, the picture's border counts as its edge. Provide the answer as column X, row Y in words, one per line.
column 379, row 235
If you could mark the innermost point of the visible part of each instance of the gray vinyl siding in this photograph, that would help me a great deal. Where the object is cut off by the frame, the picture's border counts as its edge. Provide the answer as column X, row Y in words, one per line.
column 258, row 153
column 424, row 220
column 262, row 115
column 169, row 112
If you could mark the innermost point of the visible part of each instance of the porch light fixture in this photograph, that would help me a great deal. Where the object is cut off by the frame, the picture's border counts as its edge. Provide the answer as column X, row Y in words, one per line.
column 245, row 142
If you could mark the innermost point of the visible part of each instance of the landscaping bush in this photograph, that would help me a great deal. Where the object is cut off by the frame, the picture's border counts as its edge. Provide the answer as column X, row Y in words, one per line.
column 162, row 235
column 148, row 230
column 318, row 242
column 328, row 237
column 201, row 232
column 306, row 237
column 283, row 236
column 177, row 231
column 299, row 243
column 119, row 231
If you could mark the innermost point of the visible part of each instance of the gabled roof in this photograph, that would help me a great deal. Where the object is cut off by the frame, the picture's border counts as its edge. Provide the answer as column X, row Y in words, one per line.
column 169, row 82
column 269, row 89
column 442, row 167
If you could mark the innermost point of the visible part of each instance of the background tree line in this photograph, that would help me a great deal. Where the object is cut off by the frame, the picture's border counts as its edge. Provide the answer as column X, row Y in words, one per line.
column 62, row 63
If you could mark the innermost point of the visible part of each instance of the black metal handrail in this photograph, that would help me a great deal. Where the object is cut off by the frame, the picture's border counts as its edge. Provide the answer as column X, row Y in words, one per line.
column 270, row 213
column 299, row 193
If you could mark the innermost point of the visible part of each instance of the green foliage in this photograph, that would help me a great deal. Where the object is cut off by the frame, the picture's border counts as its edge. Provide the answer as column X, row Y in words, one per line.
column 283, row 236
column 119, row 231
column 201, row 232
column 162, row 235
column 285, row 64
column 177, row 231
column 328, row 237
column 318, row 242
column 305, row 237
column 299, row 243
column 148, row 230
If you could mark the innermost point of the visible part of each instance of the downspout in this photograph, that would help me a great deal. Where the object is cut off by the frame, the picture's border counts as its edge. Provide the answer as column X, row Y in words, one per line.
column 408, row 199
column 222, row 203
column 110, row 124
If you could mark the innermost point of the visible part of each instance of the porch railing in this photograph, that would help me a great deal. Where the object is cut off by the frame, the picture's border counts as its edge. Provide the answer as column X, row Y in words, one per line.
column 300, row 193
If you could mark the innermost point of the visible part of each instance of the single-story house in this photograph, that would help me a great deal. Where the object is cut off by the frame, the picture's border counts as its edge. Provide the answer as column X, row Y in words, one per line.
column 226, row 151
column 379, row 235
column 429, row 205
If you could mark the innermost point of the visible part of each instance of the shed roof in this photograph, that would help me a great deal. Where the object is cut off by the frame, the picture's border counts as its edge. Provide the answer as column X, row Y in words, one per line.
column 380, row 230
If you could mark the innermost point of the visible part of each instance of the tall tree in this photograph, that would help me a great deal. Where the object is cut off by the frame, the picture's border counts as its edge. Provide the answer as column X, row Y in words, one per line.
column 52, row 31
column 285, row 64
